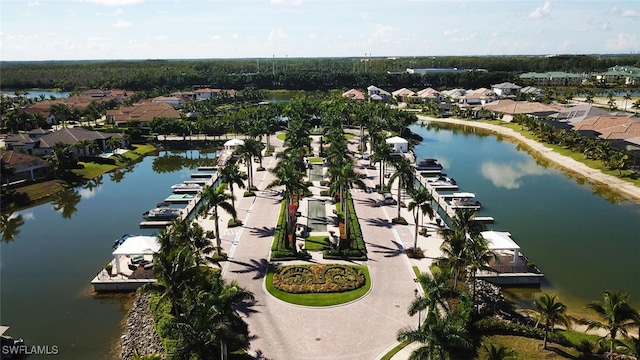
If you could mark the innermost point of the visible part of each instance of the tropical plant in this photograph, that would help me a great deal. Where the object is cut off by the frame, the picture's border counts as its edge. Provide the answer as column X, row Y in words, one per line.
column 549, row 311
column 214, row 198
column 499, row 352
column 405, row 175
column 439, row 337
column 230, row 175
column 420, row 200
column 617, row 315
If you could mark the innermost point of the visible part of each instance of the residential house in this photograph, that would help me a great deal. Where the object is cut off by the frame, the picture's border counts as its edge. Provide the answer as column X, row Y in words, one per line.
column 70, row 136
column 353, row 94
column 207, row 93
column 404, row 95
column 377, row 94
column 505, row 89
column 142, row 112
column 476, row 97
column 187, row 95
column 533, row 93
column 430, row 94
column 622, row 133
column 24, row 167
column 618, row 73
column 505, row 109
column 171, row 100
column 579, row 112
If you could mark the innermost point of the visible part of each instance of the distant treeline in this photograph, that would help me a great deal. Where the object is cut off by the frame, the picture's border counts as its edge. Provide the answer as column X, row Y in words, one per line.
column 292, row 74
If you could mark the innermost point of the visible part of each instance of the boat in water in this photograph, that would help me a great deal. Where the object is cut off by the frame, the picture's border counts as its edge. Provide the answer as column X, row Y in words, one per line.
column 187, row 186
column 162, row 213
column 441, row 181
column 464, row 200
column 428, row 164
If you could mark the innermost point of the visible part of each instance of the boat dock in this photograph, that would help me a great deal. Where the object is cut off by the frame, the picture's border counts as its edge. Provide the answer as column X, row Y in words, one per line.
column 512, row 267
column 208, row 168
column 202, row 175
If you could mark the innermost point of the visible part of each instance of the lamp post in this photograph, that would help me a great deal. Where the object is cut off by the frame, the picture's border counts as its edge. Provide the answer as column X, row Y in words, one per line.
column 415, row 292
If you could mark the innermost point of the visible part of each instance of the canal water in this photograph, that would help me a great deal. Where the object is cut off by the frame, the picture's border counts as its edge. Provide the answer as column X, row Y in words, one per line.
column 585, row 238
column 46, row 269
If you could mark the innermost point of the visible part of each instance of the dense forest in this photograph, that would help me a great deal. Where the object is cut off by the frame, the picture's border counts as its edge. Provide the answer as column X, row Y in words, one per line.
column 292, row 74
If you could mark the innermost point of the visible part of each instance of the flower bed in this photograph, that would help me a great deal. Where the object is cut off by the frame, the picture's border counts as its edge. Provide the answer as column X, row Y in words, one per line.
column 318, row 278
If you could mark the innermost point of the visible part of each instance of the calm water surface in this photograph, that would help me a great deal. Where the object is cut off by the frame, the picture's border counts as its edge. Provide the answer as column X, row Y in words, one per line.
column 46, row 270
column 584, row 238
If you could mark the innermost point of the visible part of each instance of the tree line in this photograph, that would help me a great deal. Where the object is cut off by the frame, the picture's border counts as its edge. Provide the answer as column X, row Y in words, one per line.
column 293, row 74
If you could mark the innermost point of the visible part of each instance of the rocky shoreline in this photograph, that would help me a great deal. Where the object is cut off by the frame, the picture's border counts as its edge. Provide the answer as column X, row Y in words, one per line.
column 140, row 332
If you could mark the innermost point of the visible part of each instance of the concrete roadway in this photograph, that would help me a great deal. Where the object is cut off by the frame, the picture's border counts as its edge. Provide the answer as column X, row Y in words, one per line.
column 363, row 329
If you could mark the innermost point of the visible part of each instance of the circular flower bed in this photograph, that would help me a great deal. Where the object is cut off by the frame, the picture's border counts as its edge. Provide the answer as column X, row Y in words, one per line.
column 318, row 278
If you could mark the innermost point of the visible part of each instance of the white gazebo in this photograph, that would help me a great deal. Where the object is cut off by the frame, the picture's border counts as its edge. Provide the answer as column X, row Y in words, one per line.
column 233, row 144
column 398, row 144
column 502, row 241
column 136, row 245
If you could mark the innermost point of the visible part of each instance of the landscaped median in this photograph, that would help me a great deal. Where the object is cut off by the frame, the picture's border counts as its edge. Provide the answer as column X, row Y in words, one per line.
column 318, row 284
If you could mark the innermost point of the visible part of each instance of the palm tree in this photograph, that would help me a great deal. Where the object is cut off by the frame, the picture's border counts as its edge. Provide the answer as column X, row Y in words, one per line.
column 405, row 174
column 215, row 198
column 478, row 257
column 626, row 97
column 114, row 142
column 497, row 352
column 173, row 270
column 230, row 175
column 249, row 149
column 437, row 290
column 420, row 200
column 616, row 312
column 290, row 176
column 381, row 154
column 549, row 311
column 10, row 224
column 344, row 177
column 439, row 336
column 454, row 252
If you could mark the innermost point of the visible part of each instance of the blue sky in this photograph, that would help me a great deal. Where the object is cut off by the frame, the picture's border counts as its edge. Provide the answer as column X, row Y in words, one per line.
column 172, row 29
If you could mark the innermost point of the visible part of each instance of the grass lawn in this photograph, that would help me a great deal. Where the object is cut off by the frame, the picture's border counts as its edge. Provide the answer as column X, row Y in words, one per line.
column 525, row 348
column 318, row 299
column 315, row 159
column 316, row 243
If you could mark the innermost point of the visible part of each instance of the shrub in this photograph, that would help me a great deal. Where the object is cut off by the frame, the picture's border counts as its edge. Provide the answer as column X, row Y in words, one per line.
column 249, row 193
column 234, row 223
column 324, row 193
column 318, row 278
column 260, row 168
column 324, row 182
column 399, row 220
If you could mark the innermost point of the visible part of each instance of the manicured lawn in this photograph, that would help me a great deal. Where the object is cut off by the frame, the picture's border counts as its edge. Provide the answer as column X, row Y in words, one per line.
column 526, row 349
column 316, row 243
column 316, row 299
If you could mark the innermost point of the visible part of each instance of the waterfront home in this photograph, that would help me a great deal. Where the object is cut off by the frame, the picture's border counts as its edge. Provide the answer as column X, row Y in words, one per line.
column 42, row 143
column 24, row 168
column 505, row 89
column 142, row 112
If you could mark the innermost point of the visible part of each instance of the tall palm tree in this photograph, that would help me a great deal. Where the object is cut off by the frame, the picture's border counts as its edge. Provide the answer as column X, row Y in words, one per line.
column 437, row 290
column 290, row 176
column 381, row 154
column 616, row 312
column 173, row 270
column 549, row 311
column 454, row 252
column 344, row 177
column 248, row 150
column 405, row 174
column 478, row 257
column 230, row 175
column 214, row 198
column 420, row 200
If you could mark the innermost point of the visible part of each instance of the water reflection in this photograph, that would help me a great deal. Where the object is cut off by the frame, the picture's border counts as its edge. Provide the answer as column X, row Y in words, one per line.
column 509, row 175
column 10, row 224
column 66, row 203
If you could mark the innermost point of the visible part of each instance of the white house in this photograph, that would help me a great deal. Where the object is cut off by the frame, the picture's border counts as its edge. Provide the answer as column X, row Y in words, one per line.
column 505, row 88
column 398, row 144
column 377, row 94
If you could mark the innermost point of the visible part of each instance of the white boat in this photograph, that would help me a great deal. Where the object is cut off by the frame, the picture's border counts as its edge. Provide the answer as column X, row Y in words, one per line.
column 441, row 181
column 464, row 200
column 162, row 213
column 185, row 186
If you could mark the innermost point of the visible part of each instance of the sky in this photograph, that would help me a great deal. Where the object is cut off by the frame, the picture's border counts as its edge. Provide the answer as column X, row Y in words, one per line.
column 202, row 29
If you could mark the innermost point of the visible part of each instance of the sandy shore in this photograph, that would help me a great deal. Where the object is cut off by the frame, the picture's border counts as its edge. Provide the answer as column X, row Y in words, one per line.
column 592, row 175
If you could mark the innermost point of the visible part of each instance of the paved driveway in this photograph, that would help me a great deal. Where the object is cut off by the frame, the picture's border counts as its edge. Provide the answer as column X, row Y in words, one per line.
column 359, row 330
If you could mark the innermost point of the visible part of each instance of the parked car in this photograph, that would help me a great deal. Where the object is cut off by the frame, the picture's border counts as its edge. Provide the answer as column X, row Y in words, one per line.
column 388, row 199
column 366, row 156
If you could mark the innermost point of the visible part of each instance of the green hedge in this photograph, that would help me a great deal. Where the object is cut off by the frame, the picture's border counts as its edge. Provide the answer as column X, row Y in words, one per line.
column 279, row 248
column 493, row 326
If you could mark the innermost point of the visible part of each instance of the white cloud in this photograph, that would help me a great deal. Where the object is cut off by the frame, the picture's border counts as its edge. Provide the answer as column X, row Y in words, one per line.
column 541, row 12
column 509, row 176
column 382, row 33
column 471, row 37
column 33, row 4
column 122, row 24
column 451, row 32
column 118, row 12
column 625, row 13
column 276, row 36
column 623, row 42
column 115, row 2
column 216, row 37
column 605, row 26
column 161, row 37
